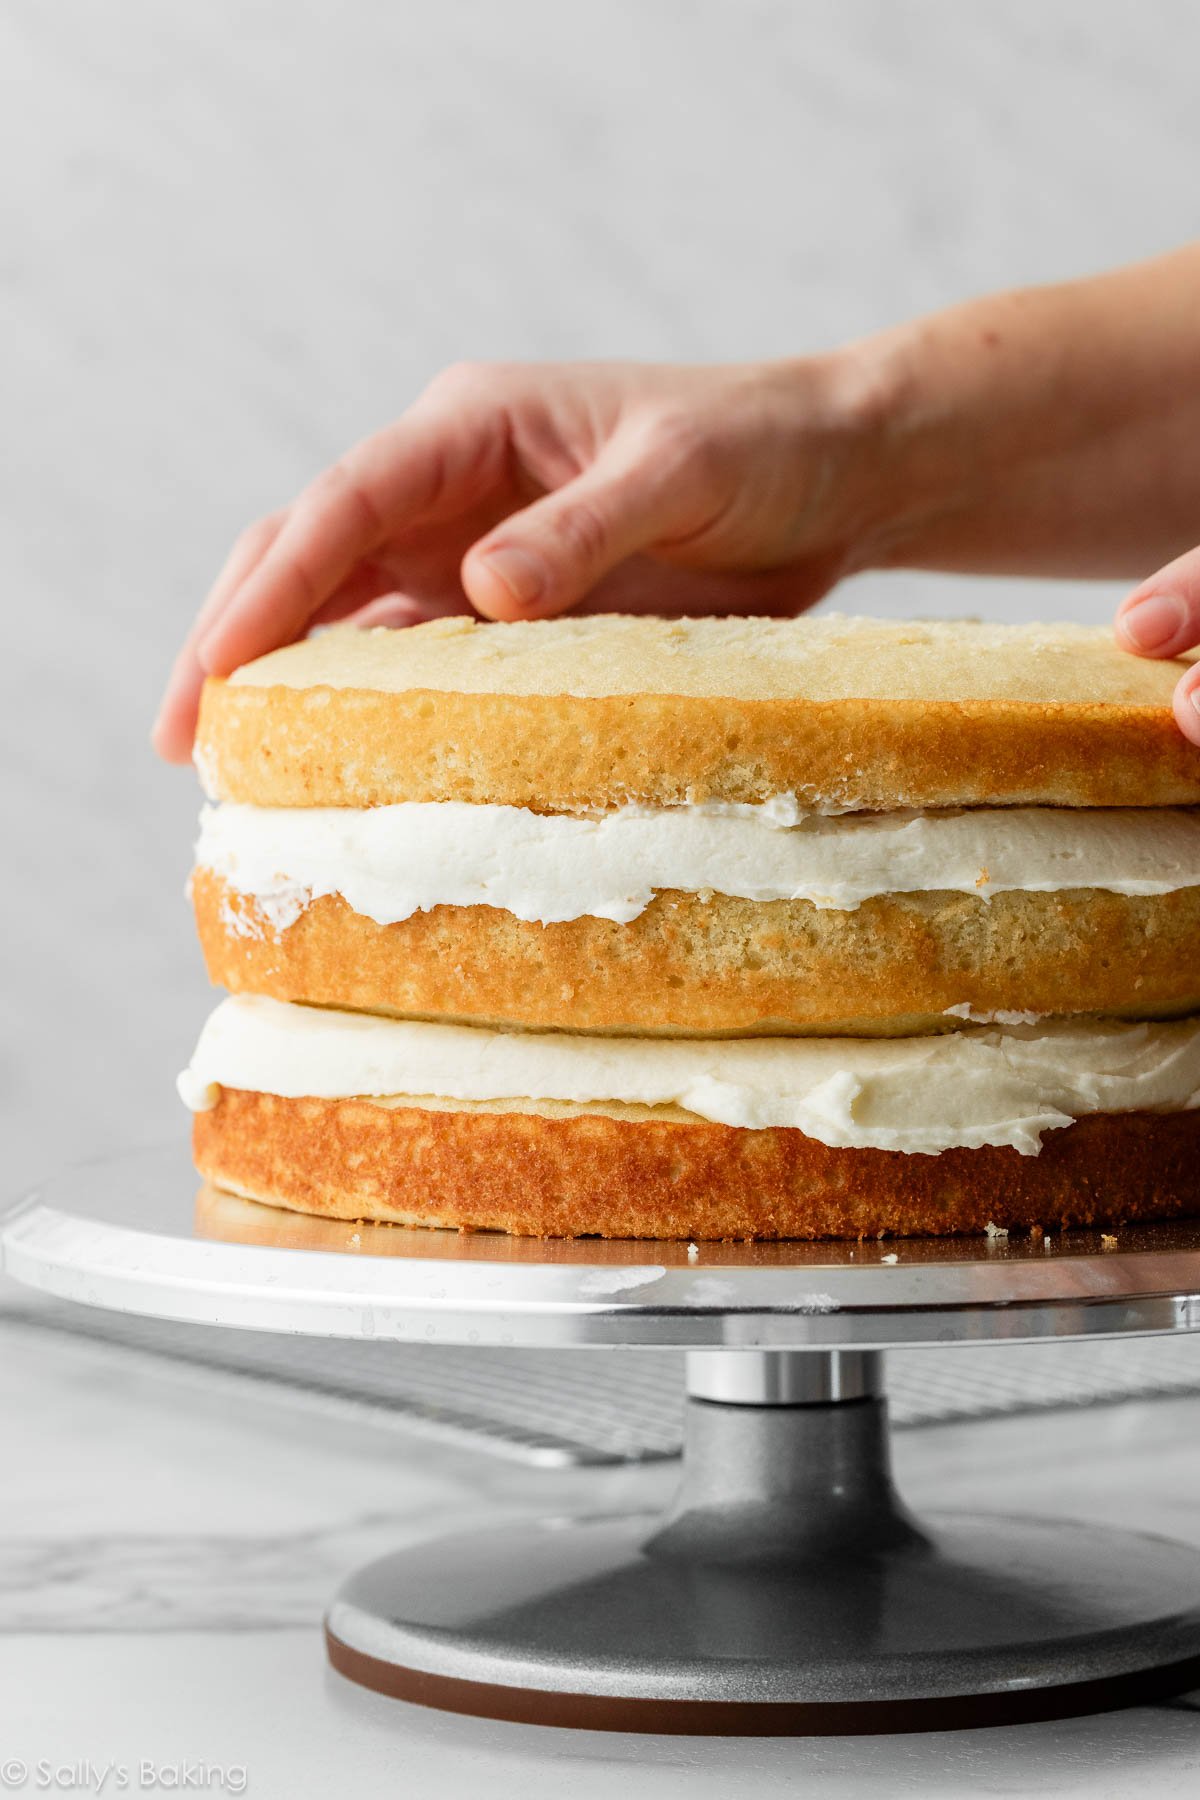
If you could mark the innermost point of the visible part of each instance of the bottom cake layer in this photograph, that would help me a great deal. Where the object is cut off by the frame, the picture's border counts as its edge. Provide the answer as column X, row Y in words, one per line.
column 568, row 1171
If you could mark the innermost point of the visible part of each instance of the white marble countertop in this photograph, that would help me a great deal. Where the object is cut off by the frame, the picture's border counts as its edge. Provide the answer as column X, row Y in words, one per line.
column 167, row 1544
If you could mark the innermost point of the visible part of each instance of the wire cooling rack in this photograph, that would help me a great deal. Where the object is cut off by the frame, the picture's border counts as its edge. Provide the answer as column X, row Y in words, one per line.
column 610, row 1405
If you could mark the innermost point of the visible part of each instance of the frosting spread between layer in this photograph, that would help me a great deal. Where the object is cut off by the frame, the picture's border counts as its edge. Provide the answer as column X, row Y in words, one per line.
column 980, row 1086
column 389, row 862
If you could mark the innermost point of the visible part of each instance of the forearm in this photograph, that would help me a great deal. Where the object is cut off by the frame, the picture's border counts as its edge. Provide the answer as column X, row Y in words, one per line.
column 1050, row 431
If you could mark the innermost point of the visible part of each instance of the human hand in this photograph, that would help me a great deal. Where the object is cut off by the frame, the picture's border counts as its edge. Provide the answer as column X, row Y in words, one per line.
column 1162, row 618
column 525, row 490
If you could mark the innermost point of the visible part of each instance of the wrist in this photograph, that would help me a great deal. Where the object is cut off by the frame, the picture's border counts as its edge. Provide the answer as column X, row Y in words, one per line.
column 853, row 425
column 896, row 475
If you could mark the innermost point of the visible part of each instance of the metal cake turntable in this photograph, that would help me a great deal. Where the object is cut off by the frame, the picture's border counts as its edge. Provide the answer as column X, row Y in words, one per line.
column 787, row 1588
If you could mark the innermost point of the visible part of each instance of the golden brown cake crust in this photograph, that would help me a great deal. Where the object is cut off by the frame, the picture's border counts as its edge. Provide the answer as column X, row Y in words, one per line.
column 566, row 715
column 689, row 965
column 591, row 1173
column 284, row 747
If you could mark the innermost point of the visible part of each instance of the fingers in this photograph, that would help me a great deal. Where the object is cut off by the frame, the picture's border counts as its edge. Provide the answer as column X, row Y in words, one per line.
column 356, row 605
column 542, row 560
column 434, row 458
column 1187, row 704
column 365, row 586
column 175, row 724
column 1162, row 618
column 398, row 610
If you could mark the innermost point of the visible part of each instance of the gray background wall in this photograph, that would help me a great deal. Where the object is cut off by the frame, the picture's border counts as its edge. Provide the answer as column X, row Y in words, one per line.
column 238, row 234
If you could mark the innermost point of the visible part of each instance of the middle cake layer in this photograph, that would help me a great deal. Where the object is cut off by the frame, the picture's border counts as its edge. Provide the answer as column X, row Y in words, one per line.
column 705, row 919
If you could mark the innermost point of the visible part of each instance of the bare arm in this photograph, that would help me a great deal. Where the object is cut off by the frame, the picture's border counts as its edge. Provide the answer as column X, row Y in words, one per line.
column 1049, row 431
column 1054, row 431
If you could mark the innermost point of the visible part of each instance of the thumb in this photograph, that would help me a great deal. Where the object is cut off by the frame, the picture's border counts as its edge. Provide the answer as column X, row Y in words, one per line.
column 1162, row 618
column 544, row 559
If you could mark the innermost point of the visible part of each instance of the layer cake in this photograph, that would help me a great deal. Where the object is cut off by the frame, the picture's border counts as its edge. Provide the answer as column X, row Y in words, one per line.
column 714, row 928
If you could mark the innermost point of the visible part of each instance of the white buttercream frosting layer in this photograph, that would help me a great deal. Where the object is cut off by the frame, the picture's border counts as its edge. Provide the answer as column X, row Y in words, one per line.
column 389, row 862
column 920, row 1095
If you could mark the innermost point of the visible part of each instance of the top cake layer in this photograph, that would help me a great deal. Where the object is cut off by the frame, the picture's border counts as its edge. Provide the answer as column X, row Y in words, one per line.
column 579, row 714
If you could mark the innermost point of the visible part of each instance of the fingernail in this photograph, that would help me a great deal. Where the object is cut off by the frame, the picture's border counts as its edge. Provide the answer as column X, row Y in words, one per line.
column 1194, row 697
column 1152, row 623
column 522, row 573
